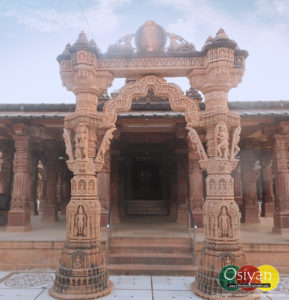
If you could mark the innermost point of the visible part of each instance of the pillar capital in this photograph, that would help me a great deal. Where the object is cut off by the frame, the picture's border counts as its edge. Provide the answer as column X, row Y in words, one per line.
column 223, row 70
column 77, row 68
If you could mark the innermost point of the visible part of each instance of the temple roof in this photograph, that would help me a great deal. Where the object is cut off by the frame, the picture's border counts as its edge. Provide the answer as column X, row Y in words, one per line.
column 60, row 110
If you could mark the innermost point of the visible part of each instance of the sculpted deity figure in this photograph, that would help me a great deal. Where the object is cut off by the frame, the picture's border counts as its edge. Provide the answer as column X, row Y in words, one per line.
column 82, row 186
column 81, row 142
column 80, row 221
column 77, row 258
column 224, row 222
column 235, row 141
column 222, row 141
column 68, row 145
column 91, row 187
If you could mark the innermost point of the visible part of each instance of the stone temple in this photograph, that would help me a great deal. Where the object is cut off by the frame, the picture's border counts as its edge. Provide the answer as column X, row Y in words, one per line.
column 151, row 179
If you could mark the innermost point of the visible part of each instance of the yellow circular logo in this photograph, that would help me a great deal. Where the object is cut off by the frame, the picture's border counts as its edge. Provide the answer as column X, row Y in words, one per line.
column 270, row 276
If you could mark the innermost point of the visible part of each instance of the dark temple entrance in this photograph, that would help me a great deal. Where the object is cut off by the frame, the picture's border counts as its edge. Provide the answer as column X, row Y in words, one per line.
column 146, row 186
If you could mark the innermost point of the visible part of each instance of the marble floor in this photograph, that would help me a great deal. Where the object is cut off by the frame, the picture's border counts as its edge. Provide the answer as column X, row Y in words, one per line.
column 34, row 285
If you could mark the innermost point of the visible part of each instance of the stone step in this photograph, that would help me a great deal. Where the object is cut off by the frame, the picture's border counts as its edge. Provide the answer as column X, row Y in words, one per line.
column 120, row 248
column 158, row 270
column 143, row 207
column 151, row 258
column 150, row 241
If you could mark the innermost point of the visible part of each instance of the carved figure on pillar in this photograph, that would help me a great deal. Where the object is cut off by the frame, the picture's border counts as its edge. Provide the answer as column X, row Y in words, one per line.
column 222, row 141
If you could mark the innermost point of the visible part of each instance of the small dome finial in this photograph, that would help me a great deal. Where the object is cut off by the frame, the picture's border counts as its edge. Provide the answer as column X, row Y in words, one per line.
column 221, row 34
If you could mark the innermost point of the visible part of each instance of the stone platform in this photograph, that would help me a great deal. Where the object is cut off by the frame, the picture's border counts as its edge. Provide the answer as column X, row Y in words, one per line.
column 41, row 247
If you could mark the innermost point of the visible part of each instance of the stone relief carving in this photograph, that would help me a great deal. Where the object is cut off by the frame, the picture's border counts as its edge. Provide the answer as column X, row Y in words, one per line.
column 222, row 141
column 78, row 259
column 224, row 222
column 82, row 186
column 81, row 142
column 196, row 142
column 80, row 221
column 235, row 141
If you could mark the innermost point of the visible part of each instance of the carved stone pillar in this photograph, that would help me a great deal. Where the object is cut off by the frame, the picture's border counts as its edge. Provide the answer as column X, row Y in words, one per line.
column 250, row 175
column 33, row 181
column 223, row 70
column 281, row 212
column 104, row 189
column 182, row 186
column 268, row 177
column 42, row 177
column 19, row 214
column 51, row 164
column 82, row 273
column 196, row 193
column 6, row 153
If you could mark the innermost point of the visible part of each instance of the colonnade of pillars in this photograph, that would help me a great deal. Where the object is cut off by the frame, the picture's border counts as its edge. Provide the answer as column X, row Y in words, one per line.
column 261, row 177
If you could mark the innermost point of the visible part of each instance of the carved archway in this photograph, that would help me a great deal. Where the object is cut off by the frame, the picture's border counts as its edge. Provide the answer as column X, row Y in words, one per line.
column 178, row 101
column 122, row 103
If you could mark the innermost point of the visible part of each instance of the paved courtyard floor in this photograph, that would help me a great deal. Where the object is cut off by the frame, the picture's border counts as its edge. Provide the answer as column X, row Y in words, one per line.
column 34, row 285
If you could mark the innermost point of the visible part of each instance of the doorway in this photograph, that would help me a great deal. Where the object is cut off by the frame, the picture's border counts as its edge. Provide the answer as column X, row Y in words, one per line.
column 146, row 185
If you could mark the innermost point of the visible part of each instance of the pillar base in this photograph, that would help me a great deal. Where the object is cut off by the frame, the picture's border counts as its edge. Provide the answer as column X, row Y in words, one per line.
column 182, row 214
column 103, row 219
column 251, row 214
column 77, row 296
column 268, row 209
column 18, row 221
column 50, row 214
column 213, row 258
column 198, row 217
column 82, row 273
column 281, row 222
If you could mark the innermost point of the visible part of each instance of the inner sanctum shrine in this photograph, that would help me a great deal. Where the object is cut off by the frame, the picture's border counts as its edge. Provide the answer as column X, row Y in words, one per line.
column 150, row 179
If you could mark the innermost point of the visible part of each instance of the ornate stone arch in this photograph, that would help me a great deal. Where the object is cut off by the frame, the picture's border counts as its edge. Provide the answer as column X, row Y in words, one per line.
column 178, row 101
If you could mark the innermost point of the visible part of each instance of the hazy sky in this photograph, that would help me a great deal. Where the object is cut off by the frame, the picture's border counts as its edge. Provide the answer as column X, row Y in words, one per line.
column 34, row 32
